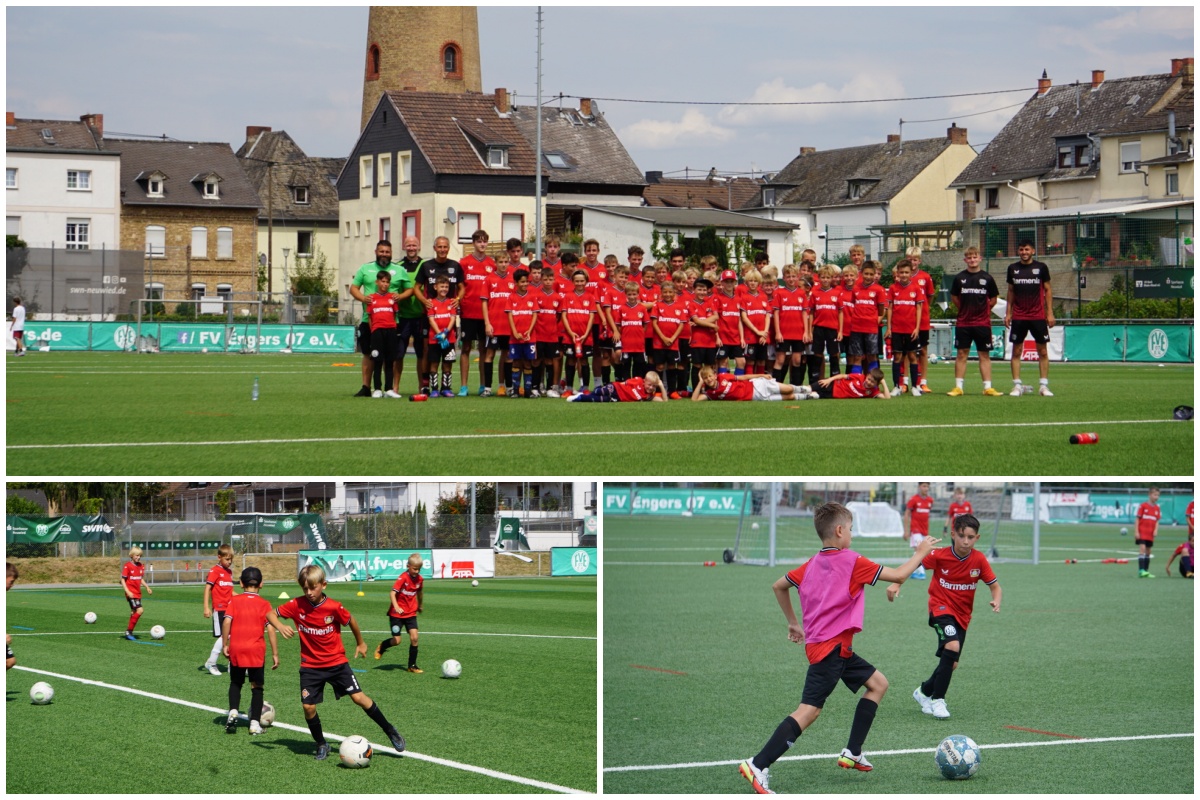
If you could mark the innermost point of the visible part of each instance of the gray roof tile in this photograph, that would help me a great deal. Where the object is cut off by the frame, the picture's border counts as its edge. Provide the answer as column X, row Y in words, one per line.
column 292, row 168
column 183, row 159
column 821, row 179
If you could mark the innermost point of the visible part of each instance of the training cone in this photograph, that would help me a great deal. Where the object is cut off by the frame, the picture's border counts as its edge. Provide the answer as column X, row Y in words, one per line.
column 418, row 398
column 710, row 563
column 284, row 596
column 1085, row 438
column 362, row 594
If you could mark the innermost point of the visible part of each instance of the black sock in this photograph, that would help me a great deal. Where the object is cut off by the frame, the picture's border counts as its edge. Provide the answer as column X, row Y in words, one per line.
column 412, row 655
column 940, row 681
column 488, row 373
column 256, row 702
column 777, row 373
column 606, row 374
column 914, row 371
column 235, row 693
column 864, row 715
column 784, row 737
column 896, row 372
column 375, row 714
column 385, row 645
column 314, row 727
column 570, row 375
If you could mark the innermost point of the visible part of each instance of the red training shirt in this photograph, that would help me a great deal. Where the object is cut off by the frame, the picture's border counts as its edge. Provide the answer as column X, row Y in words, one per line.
column 475, row 273
column 919, row 507
column 791, row 305
column 220, row 578
column 443, row 313
column 1148, row 515
column 320, row 629
column 952, row 582
column 382, row 311
column 729, row 389
column 247, row 613
column 631, row 319
column 405, row 589
column 131, row 576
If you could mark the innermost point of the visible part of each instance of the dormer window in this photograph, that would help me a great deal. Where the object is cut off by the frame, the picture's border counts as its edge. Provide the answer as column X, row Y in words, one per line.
column 300, row 195
column 858, row 189
column 768, row 197
column 497, row 157
column 154, row 182
column 212, row 189
column 155, row 187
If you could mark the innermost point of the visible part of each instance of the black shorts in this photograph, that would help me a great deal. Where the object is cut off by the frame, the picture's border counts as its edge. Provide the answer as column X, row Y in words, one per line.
column 823, row 392
column 824, row 339
column 1148, row 542
column 948, row 630
column 8, row 653
column 726, row 351
column 411, row 329
column 313, row 680
column 790, row 346
column 599, row 340
column 364, row 338
column 823, row 676
column 498, row 342
column 846, row 344
column 924, row 339
column 1021, row 328
column 685, row 351
column 904, row 343
column 217, row 618
column 473, row 330
column 585, row 350
column 548, row 351
column 633, row 358
column 134, row 603
column 864, row 344
column 978, row 335
column 756, row 352
column 238, row 675
column 383, row 344
column 436, row 353
column 397, row 625
column 665, row 357
column 704, row 356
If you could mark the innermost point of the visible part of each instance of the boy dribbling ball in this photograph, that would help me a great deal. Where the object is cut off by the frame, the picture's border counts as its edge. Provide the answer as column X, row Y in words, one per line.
column 408, row 592
column 131, row 581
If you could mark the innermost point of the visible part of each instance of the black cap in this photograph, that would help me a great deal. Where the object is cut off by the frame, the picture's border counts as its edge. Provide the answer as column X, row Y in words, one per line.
column 252, row 576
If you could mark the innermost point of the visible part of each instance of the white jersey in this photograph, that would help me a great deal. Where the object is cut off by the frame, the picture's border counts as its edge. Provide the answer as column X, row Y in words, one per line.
column 18, row 318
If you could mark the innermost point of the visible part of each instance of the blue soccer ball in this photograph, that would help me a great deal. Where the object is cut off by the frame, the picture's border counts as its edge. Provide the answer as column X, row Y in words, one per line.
column 957, row 757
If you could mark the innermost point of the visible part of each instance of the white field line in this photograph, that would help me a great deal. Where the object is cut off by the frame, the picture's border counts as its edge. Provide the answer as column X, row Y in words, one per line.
column 608, row 563
column 576, row 434
column 491, row 773
column 911, row 751
column 344, row 633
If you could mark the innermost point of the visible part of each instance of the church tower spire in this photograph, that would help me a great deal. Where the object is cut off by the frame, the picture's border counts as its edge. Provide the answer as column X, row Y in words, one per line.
column 423, row 48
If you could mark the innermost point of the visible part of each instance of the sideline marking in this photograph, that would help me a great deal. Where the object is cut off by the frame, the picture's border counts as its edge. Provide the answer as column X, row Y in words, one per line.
column 1044, row 733
column 491, row 773
column 912, row 751
column 658, row 669
column 556, row 434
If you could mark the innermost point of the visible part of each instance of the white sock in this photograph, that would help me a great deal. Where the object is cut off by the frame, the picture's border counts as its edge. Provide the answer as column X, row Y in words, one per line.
column 1044, row 381
column 986, row 384
column 216, row 651
column 959, row 383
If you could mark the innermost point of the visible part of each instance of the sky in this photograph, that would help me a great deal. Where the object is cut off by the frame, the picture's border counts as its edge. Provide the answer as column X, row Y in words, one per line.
column 204, row 74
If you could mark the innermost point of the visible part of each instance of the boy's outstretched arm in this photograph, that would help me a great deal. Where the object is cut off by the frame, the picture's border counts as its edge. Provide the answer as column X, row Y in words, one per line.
column 901, row 573
column 995, row 601
column 783, row 593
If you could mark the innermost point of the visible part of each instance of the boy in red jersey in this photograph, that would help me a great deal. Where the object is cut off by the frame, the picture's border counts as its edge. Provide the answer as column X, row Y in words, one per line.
column 218, row 588
column 756, row 323
column 667, row 325
column 499, row 287
column 958, row 505
column 408, row 594
column 634, row 390
column 551, row 262
column 923, row 281
column 578, row 314
column 1148, row 515
column 830, row 586
column 730, row 342
column 548, row 334
column 1187, row 563
column 522, row 347
column 131, row 581
column 242, row 642
column 477, row 268
column 951, row 598
column 905, row 303
column 443, row 313
column 10, row 577
column 826, row 320
column 793, row 331
column 848, row 386
column 702, row 313
column 319, row 619
column 381, row 309
column 715, row 385
column 630, row 319
column 870, row 305
column 916, row 520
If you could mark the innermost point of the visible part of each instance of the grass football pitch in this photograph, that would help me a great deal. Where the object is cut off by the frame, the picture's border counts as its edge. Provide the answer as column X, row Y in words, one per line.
column 521, row 719
column 1083, row 683
column 115, row 413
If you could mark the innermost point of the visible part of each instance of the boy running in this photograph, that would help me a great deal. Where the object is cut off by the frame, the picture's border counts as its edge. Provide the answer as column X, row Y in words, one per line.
column 319, row 619
column 832, row 601
column 951, row 598
column 242, row 641
column 218, row 588
column 407, row 594
column 131, row 580
column 959, row 505
column 916, row 520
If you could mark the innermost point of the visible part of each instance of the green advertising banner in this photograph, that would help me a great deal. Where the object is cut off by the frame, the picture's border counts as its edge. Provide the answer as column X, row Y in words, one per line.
column 186, row 337
column 343, row 566
column 278, row 524
column 1167, row 343
column 672, row 502
column 1094, row 343
column 1178, row 282
column 1123, row 508
column 566, row 561
column 43, row 530
column 57, row 335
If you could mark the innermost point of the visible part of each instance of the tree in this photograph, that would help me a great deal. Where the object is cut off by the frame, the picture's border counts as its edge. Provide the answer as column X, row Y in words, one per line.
column 312, row 278
column 451, row 521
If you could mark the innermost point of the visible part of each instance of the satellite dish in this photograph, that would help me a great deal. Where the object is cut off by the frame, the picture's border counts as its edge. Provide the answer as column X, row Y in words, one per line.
column 451, row 215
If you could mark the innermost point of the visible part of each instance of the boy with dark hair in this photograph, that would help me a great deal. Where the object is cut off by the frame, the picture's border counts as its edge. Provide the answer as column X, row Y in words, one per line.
column 667, row 325
column 516, row 249
column 522, row 344
column 218, row 587
column 704, row 318
column 242, row 642
column 951, row 599
column 443, row 314
column 548, row 333
column 477, row 268
column 1030, row 312
column 131, row 581
column 850, row 386
column 319, row 620
column 959, row 504
column 917, row 512
column 408, row 593
column 830, row 587
column 578, row 314
column 498, row 288
column 381, row 307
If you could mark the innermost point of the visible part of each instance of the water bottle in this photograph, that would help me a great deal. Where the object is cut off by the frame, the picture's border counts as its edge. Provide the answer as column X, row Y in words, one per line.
column 254, row 390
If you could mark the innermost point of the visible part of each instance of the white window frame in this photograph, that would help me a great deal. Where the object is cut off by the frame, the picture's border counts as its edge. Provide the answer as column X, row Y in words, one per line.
column 11, row 180
column 404, row 173
column 154, row 187
column 1171, row 177
column 212, row 189
column 156, row 241
column 497, row 157
column 768, row 196
column 366, row 172
column 82, row 230
column 385, row 170
column 463, row 216
column 300, row 195
column 79, row 180
column 199, row 242
column 385, row 229
column 1130, row 156
column 154, row 291
column 198, row 290
column 12, row 226
column 557, row 161
column 225, row 243
column 225, row 291
column 312, row 240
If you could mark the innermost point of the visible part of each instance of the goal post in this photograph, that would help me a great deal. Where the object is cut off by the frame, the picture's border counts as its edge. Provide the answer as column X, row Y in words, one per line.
column 239, row 321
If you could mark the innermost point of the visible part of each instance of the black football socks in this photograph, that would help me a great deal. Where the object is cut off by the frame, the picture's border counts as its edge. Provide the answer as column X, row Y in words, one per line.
column 864, row 715
column 784, row 737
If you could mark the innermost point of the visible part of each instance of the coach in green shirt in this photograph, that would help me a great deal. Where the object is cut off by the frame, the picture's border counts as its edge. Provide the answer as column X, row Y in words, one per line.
column 364, row 285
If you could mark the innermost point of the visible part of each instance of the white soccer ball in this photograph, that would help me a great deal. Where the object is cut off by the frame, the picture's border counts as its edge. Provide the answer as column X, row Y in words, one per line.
column 266, row 717
column 957, row 757
column 41, row 693
column 933, row 358
column 158, row 632
column 753, row 526
column 203, row 349
column 451, row 668
column 474, row 583
column 355, row 752
column 90, row 617
column 1124, row 531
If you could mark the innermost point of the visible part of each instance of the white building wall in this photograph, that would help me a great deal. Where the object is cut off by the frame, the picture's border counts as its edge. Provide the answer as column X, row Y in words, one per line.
column 44, row 203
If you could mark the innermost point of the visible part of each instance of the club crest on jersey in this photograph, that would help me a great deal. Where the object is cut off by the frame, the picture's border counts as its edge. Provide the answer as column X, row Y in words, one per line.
column 328, row 620
column 974, row 573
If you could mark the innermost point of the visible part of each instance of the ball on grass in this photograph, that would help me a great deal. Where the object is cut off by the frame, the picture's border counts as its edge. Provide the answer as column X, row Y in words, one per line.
column 90, row 617
column 474, row 583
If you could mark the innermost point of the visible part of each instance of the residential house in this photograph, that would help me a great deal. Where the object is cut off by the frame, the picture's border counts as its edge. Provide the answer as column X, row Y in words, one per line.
column 191, row 210
column 299, row 215
column 839, row 194
column 62, row 183
column 722, row 192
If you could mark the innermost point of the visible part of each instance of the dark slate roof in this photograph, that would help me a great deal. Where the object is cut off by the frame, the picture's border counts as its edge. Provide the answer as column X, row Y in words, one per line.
column 695, row 216
column 821, row 179
column 180, row 161
column 1027, row 146
column 292, row 168
column 443, row 124
column 591, row 148
column 702, row 193
column 68, row 135
column 1180, row 98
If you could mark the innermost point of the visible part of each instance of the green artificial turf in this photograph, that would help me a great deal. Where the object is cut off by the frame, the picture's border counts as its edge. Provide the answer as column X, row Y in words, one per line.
column 525, row 704
column 115, row 413
column 698, row 669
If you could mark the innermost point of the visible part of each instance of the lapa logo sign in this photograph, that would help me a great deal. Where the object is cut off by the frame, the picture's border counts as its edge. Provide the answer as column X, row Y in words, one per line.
column 125, row 337
column 1158, row 343
column 580, row 561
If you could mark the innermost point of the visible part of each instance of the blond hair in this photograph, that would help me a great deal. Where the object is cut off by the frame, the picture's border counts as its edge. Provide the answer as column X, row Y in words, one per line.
column 857, row 248
column 311, row 577
column 971, row 251
column 135, row 551
column 224, row 550
column 913, row 251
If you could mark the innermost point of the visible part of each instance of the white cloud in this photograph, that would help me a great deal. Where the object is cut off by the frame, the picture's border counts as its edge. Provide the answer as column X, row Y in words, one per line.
column 694, row 127
column 877, row 84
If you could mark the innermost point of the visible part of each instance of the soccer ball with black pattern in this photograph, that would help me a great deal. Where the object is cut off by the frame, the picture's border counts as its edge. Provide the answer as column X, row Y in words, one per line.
column 355, row 752
column 957, row 757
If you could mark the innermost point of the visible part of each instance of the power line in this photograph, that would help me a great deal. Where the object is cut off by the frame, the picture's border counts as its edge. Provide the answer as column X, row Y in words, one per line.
column 789, row 102
column 963, row 116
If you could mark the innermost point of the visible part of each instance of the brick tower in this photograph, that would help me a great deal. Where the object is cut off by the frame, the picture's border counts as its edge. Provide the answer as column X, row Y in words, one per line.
column 425, row 48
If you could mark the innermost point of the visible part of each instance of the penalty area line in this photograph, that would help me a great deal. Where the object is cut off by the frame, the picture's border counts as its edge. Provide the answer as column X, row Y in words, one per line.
column 911, row 751
column 491, row 773
column 576, row 434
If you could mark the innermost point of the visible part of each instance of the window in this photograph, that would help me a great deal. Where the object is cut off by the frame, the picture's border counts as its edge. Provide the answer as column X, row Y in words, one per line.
column 304, row 244
column 410, row 224
column 993, row 197
column 1083, row 155
column 1131, row 154
column 154, row 187
column 357, row 227
column 468, row 223
column 385, row 229
column 512, row 226
column 768, row 196
column 198, row 290
column 224, row 242
column 405, row 168
column 450, row 63
column 13, row 226
column 300, row 195
column 347, row 229
column 385, row 170
column 154, row 291
column 199, row 242
column 79, row 180
column 225, row 291
column 557, row 161
column 858, row 189
column 156, row 241
column 212, row 189
column 366, row 167
column 1172, row 182
column 497, row 157
column 373, row 62
column 1066, row 156
column 10, row 178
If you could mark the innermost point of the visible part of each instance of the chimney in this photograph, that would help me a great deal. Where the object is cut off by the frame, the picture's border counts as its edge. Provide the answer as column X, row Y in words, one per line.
column 1043, row 84
column 502, row 101
column 955, row 134
column 10, row 119
column 893, row 138
column 95, row 122
column 807, row 151
column 1097, row 78
column 654, row 177
column 585, row 106
column 254, row 131
column 1176, row 66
